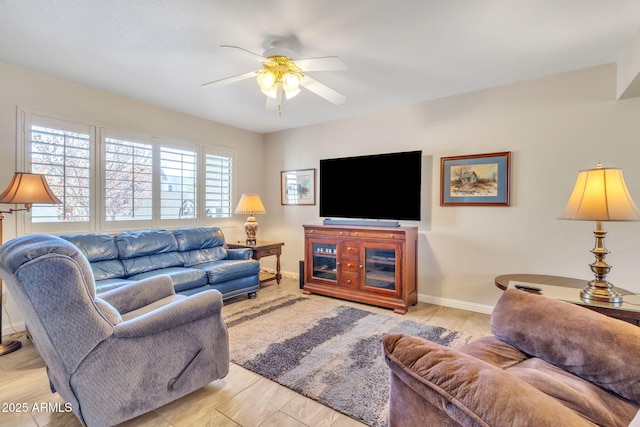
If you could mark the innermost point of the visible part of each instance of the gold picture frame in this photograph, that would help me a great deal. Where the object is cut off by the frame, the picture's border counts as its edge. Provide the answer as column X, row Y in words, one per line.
column 298, row 187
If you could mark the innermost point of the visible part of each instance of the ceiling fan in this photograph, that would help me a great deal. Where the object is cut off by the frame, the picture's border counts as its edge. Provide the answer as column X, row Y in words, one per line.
column 282, row 76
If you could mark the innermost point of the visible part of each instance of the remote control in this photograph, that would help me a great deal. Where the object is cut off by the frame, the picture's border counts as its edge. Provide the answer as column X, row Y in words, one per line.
column 528, row 288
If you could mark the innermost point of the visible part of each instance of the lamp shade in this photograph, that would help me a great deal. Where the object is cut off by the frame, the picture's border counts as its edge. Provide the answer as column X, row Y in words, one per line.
column 250, row 204
column 600, row 194
column 28, row 188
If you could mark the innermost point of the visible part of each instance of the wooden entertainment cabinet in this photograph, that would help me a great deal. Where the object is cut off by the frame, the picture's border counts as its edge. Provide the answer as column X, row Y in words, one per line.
column 372, row 265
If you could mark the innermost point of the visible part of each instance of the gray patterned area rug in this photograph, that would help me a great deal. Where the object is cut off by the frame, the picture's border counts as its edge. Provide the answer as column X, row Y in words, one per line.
column 326, row 350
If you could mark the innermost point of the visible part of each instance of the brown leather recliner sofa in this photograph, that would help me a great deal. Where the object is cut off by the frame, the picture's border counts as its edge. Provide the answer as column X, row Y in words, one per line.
column 549, row 363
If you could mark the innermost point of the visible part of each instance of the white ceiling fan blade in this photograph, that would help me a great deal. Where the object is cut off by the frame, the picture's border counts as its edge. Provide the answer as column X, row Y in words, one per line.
column 228, row 80
column 322, row 90
column 257, row 56
column 327, row 63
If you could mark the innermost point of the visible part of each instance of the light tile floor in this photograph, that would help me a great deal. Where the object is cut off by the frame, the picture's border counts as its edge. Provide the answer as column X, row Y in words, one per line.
column 241, row 399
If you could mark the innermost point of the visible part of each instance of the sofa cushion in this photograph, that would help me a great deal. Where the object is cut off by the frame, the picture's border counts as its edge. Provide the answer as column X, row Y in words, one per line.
column 601, row 349
column 142, row 264
column 469, row 390
column 221, row 271
column 182, row 278
column 94, row 246
column 132, row 244
column 101, row 252
column 200, row 245
column 198, row 238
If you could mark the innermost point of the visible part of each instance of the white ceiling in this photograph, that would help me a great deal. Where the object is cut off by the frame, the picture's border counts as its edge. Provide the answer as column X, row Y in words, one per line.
column 398, row 52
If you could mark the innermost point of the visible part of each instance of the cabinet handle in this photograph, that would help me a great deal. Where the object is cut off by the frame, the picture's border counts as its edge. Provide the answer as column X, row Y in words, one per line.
column 342, row 233
column 349, row 281
column 355, row 234
column 338, row 264
column 360, row 266
column 349, row 265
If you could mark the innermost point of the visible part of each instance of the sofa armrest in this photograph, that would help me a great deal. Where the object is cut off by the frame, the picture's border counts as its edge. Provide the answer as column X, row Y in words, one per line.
column 597, row 348
column 199, row 306
column 468, row 390
column 239, row 253
column 138, row 294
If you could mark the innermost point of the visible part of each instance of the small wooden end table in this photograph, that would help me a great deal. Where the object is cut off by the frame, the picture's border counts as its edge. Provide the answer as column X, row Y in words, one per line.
column 567, row 289
column 263, row 248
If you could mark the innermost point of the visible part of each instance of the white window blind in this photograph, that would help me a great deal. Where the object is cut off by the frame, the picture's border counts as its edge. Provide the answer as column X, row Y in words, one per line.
column 178, row 184
column 64, row 157
column 128, row 180
column 218, row 176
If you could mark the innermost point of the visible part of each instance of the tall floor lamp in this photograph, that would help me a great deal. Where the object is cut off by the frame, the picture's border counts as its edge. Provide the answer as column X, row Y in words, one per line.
column 599, row 195
column 25, row 188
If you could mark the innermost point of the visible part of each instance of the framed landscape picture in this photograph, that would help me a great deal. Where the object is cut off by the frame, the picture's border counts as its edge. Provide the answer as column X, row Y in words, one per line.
column 475, row 180
column 298, row 187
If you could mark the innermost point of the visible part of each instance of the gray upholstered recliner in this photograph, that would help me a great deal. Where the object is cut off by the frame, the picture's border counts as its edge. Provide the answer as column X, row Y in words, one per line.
column 119, row 355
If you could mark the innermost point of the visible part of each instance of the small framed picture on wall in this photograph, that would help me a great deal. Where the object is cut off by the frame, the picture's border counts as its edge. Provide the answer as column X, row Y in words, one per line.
column 475, row 180
column 298, row 187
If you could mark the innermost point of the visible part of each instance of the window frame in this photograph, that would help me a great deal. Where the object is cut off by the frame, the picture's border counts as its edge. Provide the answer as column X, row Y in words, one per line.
column 98, row 135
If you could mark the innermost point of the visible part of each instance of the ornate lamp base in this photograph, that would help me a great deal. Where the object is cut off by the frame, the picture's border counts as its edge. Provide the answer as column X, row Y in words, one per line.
column 251, row 228
column 599, row 289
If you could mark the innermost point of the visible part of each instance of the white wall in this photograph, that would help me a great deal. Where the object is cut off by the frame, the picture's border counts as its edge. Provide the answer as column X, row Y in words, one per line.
column 553, row 126
column 33, row 91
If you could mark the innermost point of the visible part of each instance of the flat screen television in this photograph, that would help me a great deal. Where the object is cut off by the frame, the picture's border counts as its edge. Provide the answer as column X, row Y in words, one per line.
column 381, row 186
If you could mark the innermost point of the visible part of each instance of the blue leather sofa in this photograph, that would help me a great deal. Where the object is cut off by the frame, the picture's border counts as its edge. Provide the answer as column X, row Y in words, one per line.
column 196, row 259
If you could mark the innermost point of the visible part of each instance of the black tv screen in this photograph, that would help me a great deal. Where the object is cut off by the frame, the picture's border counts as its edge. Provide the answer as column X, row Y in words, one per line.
column 382, row 186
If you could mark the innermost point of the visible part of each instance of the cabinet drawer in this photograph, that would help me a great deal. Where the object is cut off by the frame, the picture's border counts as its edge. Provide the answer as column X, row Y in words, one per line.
column 350, row 248
column 383, row 234
column 349, row 280
column 326, row 232
column 267, row 252
column 350, row 265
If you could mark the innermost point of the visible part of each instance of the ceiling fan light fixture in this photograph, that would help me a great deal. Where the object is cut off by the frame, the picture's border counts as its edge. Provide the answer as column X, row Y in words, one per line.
column 271, row 93
column 290, row 81
column 266, row 80
column 288, row 94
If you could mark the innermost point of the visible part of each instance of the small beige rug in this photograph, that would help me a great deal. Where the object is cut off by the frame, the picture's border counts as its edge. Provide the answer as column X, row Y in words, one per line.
column 326, row 350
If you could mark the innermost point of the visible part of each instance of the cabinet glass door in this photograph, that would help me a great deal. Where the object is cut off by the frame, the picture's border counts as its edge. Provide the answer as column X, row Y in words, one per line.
column 380, row 268
column 324, row 261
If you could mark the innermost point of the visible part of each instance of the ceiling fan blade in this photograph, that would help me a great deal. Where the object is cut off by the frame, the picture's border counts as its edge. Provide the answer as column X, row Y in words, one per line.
column 257, row 56
column 228, row 80
column 321, row 90
column 326, row 63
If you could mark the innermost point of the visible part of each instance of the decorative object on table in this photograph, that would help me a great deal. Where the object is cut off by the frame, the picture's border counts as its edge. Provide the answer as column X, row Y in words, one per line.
column 252, row 205
column 330, row 353
column 600, row 194
column 475, row 180
column 25, row 188
column 298, row 187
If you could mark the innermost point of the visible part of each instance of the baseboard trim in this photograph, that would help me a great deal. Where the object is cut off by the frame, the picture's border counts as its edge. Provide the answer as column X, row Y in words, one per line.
column 454, row 303
column 445, row 302
column 7, row 330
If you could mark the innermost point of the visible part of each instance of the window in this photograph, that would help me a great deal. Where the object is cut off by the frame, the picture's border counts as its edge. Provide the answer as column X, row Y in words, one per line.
column 63, row 154
column 218, row 177
column 110, row 180
column 128, row 180
column 178, row 183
